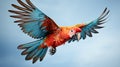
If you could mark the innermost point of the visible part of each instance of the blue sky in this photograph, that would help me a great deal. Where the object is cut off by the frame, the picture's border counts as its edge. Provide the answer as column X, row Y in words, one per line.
column 102, row 50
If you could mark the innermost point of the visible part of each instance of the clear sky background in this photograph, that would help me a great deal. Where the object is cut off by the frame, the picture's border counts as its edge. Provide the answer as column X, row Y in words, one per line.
column 102, row 50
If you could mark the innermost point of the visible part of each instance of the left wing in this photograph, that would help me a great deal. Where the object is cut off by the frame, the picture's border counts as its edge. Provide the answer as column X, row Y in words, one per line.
column 91, row 27
column 33, row 21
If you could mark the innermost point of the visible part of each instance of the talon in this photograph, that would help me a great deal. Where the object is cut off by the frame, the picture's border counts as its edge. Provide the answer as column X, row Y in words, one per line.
column 52, row 51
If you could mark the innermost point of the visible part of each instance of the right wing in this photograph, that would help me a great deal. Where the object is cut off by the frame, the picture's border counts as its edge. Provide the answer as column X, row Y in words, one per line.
column 33, row 21
column 91, row 27
column 88, row 29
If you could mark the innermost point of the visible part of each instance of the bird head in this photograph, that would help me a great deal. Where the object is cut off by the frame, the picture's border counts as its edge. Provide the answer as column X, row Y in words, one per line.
column 70, row 31
column 77, row 29
column 74, row 31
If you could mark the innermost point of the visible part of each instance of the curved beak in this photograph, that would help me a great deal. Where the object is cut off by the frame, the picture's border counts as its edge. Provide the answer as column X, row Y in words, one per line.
column 78, row 36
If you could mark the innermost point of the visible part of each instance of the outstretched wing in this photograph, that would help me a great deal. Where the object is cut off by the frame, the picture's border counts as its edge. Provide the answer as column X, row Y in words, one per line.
column 33, row 21
column 91, row 27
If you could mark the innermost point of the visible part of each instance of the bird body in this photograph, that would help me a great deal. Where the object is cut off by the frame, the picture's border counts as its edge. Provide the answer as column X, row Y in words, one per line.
column 60, row 36
column 39, row 26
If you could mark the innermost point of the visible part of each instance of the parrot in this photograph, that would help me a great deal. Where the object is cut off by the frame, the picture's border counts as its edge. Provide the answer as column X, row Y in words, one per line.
column 47, row 33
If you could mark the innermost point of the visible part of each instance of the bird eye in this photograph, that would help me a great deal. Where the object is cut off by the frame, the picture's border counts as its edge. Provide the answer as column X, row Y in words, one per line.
column 71, row 30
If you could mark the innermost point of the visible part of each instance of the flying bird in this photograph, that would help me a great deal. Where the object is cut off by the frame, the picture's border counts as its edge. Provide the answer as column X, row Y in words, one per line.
column 38, row 25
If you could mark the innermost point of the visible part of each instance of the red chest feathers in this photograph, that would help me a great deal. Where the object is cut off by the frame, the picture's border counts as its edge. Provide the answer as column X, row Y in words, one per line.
column 56, row 39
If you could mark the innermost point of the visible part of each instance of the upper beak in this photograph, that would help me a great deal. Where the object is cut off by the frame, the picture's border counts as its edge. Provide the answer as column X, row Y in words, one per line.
column 78, row 36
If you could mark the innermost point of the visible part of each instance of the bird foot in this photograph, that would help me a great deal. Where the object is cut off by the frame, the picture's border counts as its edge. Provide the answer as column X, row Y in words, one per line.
column 52, row 51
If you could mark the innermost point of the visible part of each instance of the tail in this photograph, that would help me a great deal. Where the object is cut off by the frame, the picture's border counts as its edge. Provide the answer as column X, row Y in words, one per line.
column 32, row 51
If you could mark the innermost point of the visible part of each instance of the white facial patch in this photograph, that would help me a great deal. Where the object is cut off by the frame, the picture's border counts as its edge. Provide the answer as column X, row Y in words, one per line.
column 71, row 33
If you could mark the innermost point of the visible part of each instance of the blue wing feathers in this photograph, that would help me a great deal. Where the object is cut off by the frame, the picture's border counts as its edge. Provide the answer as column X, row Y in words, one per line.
column 90, row 27
column 34, row 29
column 36, row 24
column 37, row 15
column 32, row 19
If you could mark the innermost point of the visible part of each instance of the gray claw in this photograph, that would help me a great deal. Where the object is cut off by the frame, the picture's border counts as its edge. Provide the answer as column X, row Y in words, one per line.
column 52, row 51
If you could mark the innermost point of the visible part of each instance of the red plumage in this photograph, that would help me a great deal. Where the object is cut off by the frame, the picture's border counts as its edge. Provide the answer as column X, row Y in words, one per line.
column 39, row 26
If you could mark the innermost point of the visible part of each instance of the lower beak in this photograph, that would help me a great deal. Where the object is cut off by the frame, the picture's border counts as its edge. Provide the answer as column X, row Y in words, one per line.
column 78, row 36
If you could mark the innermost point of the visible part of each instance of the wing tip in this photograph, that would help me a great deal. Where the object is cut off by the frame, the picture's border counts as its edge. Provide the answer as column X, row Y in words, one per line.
column 104, row 13
column 20, row 47
column 12, row 4
column 9, row 10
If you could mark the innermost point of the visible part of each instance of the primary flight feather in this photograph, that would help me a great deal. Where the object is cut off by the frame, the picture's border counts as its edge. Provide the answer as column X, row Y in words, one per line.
column 39, row 26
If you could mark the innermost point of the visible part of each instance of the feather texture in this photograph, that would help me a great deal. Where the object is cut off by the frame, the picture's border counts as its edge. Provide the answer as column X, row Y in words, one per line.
column 33, row 21
column 91, row 27
column 32, row 52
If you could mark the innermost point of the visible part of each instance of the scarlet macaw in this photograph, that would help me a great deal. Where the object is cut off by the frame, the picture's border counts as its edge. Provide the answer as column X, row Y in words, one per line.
column 39, row 26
